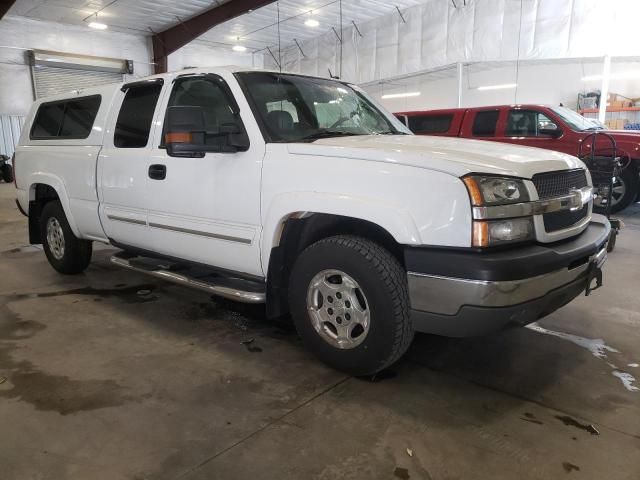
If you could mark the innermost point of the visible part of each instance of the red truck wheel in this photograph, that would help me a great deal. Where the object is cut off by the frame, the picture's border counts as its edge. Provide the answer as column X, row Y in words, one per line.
column 625, row 189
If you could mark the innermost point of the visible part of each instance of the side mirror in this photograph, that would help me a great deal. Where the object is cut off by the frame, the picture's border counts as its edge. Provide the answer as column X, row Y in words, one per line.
column 550, row 129
column 186, row 134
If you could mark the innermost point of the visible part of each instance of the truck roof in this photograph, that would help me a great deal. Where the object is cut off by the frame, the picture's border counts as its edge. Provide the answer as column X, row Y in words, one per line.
column 169, row 75
column 464, row 109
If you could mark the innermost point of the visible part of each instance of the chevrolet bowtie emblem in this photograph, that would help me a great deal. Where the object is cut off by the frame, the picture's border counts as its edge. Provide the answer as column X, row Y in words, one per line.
column 575, row 201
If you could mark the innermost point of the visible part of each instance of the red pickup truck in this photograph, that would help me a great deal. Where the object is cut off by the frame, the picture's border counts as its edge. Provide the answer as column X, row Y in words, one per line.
column 553, row 128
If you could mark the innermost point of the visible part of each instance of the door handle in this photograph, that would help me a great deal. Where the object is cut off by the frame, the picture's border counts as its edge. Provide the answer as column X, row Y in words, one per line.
column 157, row 172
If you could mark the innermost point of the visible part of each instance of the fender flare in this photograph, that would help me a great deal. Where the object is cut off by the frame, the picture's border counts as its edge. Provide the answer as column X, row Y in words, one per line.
column 57, row 184
column 393, row 218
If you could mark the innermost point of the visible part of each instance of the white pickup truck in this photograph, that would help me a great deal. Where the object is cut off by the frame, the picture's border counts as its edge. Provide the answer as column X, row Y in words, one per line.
column 304, row 194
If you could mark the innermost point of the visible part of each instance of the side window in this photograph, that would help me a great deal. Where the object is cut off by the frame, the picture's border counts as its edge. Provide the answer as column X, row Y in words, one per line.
column 526, row 123
column 484, row 124
column 430, row 123
column 48, row 120
column 135, row 116
column 217, row 110
column 66, row 119
column 79, row 117
column 402, row 118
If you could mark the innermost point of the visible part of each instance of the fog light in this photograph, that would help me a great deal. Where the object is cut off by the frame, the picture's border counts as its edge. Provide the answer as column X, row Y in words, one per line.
column 498, row 232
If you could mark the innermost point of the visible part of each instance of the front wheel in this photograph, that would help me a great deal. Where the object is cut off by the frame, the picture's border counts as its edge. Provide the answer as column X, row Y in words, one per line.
column 65, row 252
column 625, row 191
column 350, row 304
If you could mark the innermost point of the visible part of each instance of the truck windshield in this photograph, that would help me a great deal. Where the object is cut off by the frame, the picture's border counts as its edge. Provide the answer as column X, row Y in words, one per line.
column 575, row 120
column 295, row 108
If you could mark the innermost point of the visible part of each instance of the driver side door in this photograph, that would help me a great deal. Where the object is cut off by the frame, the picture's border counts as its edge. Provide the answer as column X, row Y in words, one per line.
column 206, row 210
column 533, row 128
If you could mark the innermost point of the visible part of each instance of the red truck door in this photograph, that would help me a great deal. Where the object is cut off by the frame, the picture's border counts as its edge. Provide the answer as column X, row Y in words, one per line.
column 534, row 128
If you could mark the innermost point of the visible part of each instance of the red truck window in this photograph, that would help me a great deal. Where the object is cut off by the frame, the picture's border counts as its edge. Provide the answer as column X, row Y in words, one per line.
column 526, row 123
column 484, row 124
column 439, row 123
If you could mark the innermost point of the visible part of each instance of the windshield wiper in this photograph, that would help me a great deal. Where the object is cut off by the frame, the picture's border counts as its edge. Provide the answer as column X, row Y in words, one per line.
column 327, row 134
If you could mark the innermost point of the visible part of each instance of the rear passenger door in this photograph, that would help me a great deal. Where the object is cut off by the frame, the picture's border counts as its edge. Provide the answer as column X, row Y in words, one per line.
column 482, row 124
column 124, row 162
column 432, row 124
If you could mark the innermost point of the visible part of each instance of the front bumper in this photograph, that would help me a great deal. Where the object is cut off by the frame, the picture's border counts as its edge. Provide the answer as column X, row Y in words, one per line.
column 460, row 293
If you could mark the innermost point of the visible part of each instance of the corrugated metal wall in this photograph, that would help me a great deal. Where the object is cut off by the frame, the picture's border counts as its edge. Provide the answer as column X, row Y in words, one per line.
column 10, row 128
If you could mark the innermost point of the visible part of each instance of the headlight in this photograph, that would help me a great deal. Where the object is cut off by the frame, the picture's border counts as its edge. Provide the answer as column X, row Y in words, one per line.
column 486, row 191
column 498, row 232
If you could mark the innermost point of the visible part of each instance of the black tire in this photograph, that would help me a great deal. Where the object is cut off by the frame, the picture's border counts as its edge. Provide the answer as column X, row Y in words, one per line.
column 7, row 173
column 76, row 253
column 383, row 282
column 629, row 177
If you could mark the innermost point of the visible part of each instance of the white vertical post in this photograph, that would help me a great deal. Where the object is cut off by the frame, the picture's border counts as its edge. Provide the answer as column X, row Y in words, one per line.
column 460, row 73
column 604, row 90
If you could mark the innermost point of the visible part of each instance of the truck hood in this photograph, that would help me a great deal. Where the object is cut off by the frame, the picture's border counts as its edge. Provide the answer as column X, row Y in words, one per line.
column 455, row 156
column 627, row 140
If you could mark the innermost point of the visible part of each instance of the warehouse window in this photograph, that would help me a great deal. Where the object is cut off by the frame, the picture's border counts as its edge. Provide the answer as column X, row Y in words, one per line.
column 484, row 125
column 66, row 119
column 430, row 123
column 136, row 114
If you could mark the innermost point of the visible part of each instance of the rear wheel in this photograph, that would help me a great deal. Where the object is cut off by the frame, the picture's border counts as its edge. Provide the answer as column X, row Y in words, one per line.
column 350, row 304
column 6, row 171
column 65, row 252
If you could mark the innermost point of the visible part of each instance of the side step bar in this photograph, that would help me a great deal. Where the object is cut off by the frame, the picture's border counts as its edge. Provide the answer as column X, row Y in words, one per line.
column 232, row 288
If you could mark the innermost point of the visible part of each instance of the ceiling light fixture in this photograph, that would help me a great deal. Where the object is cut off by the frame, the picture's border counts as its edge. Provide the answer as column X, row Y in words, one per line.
column 239, row 48
column 504, row 86
column 97, row 25
column 312, row 23
column 400, row 95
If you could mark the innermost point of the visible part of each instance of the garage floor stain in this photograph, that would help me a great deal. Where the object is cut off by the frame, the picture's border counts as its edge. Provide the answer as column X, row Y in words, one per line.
column 46, row 391
column 598, row 349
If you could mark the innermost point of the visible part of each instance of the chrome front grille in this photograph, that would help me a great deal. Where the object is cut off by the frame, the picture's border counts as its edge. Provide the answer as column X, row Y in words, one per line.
column 564, row 219
column 556, row 184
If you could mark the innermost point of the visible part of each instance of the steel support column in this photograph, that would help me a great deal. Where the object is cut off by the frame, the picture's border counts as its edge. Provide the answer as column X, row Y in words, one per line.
column 170, row 40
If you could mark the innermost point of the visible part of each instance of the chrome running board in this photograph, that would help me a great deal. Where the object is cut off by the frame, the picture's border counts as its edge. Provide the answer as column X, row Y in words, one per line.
column 240, row 290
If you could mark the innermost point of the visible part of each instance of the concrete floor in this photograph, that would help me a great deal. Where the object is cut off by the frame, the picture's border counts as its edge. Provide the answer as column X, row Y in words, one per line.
column 110, row 375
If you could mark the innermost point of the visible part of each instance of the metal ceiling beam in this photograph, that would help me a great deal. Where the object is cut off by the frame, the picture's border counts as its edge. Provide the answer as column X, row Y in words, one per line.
column 170, row 40
column 5, row 5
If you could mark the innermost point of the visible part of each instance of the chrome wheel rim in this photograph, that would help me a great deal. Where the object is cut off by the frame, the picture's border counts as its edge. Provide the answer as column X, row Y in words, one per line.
column 55, row 238
column 618, row 191
column 338, row 309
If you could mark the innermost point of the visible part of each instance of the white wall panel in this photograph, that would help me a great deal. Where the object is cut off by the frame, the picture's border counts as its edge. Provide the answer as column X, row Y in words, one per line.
column 436, row 33
column 18, row 34
column 198, row 54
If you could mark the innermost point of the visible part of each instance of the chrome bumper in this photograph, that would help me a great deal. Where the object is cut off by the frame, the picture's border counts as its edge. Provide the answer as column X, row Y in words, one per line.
column 447, row 295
